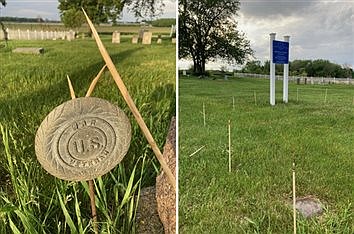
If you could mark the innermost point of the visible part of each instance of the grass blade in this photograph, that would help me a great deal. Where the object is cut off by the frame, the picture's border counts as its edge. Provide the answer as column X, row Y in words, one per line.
column 68, row 219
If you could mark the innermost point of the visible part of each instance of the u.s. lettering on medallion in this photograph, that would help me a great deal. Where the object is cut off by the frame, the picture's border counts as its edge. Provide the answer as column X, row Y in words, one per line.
column 81, row 142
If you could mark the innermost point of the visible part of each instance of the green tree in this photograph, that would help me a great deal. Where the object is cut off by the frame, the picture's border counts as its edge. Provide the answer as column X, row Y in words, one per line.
column 103, row 11
column 208, row 31
column 73, row 18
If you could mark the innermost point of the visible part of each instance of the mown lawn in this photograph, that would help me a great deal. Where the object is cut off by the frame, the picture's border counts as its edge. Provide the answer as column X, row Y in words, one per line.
column 315, row 129
column 32, row 201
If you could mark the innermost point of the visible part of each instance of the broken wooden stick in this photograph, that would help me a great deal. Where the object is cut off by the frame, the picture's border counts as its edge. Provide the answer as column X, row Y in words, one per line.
column 94, row 81
column 196, row 151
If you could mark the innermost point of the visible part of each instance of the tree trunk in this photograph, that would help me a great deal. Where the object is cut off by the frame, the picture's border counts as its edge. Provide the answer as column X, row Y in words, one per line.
column 5, row 32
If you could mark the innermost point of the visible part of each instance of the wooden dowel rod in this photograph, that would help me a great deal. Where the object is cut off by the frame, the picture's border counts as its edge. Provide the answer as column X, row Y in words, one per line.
column 294, row 198
column 121, row 86
column 72, row 92
column 93, row 205
column 91, row 185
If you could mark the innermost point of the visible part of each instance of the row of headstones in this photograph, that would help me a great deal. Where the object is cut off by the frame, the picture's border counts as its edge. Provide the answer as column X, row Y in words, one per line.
column 145, row 38
column 37, row 35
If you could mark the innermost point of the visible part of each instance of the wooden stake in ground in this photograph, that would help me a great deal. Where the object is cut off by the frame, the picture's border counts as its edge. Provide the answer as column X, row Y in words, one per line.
column 229, row 146
column 297, row 94
column 123, row 89
column 196, row 151
column 325, row 96
column 255, row 98
column 204, row 114
column 233, row 103
column 91, row 185
column 94, row 82
column 294, row 198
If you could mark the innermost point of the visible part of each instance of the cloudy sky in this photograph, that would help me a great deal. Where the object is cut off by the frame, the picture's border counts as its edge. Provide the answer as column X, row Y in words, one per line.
column 49, row 9
column 318, row 29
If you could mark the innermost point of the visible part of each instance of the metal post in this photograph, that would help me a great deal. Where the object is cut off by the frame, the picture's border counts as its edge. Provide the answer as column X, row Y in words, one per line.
column 286, row 76
column 272, row 70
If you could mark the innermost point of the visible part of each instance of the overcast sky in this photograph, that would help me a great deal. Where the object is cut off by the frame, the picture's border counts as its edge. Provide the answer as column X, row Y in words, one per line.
column 49, row 9
column 318, row 29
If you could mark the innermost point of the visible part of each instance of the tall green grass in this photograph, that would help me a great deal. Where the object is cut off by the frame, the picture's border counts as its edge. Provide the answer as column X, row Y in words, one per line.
column 32, row 201
column 256, row 196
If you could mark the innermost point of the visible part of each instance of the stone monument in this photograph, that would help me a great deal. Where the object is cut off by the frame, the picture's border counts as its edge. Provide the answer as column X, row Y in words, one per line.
column 116, row 37
column 147, row 38
column 135, row 39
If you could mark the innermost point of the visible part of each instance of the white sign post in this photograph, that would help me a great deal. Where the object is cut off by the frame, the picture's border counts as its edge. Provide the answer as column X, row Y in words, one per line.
column 272, row 71
column 279, row 54
column 286, row 77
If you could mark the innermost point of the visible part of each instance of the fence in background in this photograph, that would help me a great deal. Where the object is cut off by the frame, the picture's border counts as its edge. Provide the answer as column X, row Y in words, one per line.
column 302, row 79
column 37, row 35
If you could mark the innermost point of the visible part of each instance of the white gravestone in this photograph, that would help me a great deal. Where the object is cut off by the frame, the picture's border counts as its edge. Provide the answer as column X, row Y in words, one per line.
column 147, row 38
column 116, row 37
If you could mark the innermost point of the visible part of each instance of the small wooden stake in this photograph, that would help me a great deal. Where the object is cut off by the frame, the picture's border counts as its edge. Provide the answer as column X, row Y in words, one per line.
column 204, row 114
column 255, row 98
column 325, row 96
column 72, row 92
column 93, row 206
column 91, row 185
column 125, row 93
column 229, row 146
column 294, row 198
column 233, row 103
column 297, row 94
column 196, row 151
column 94, row 81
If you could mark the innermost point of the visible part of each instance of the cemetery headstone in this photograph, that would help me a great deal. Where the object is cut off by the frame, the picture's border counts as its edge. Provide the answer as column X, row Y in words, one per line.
column 308, row 207
column 159, row 39
column 82, row 139
column 135, row 39
column 147, row 38
column 70, row 35
column 116, row 37
column 173, row 40
column 28, row 50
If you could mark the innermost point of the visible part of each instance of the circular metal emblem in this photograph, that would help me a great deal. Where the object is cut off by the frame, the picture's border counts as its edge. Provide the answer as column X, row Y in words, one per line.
column 82, row 139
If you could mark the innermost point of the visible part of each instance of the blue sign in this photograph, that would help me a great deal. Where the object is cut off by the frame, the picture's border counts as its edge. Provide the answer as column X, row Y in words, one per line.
column 280, row 52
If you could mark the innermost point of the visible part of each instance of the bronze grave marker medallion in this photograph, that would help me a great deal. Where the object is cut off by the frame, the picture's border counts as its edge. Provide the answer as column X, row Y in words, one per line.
column 82, row 139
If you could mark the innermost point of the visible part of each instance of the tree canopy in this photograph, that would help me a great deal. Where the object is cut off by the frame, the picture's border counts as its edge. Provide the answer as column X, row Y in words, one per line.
column 208, row 31
column 103, row 11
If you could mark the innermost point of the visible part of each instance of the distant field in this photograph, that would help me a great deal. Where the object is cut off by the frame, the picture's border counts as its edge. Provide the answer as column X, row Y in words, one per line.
column 125, row 29
column 32, row 201
column 315, row 128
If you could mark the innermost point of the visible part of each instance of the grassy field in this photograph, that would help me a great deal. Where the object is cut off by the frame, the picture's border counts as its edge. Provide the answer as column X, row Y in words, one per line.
column 315, row 128
column 103, row 29
column 32, row 201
